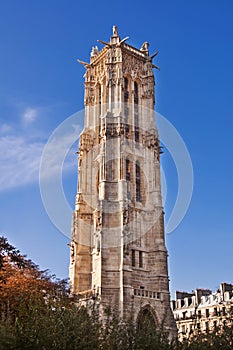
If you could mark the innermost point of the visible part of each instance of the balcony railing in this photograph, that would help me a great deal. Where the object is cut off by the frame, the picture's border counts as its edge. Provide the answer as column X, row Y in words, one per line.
column 147, row 294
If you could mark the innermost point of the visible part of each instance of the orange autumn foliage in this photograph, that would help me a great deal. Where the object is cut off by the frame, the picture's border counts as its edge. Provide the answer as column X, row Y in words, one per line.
column 23, row 285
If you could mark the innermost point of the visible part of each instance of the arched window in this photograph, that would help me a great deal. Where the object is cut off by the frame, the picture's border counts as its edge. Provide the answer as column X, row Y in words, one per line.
column 146, row 322
column 138, row 182
column 136, row 129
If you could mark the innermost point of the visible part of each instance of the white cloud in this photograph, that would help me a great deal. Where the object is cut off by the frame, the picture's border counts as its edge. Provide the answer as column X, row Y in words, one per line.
column 20, row 159
column 30, row 115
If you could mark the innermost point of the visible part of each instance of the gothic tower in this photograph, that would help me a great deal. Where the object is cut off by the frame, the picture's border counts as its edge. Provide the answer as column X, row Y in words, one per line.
column 118, row 253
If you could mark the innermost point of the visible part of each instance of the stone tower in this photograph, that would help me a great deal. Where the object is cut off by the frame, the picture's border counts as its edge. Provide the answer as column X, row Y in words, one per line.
column 118, row 253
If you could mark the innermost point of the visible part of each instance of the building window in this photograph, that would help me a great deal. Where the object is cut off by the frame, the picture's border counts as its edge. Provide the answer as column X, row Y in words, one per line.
column 199, row 313
column 99, row 101
column 99, row 94
column 126, row 98
column 135, row 92
column 133, row 258
column 126, row 87
column 207, row 312
column 109, row 170
column 207, row 327
column 215, row 325
column 136, row 134
column 140, row 259
column 112, row 94
column 127, row 171
column 136, row 129
column 97, row 182
column 224, row 311
column 127, row 177
column 138, row 182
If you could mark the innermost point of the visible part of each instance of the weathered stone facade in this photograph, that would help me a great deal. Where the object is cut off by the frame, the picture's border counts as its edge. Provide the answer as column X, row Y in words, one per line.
column 118, row 253
column 203, row 311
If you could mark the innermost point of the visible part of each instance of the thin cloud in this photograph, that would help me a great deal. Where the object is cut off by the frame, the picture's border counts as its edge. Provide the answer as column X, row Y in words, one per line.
column 20, row 159
column 30, row 115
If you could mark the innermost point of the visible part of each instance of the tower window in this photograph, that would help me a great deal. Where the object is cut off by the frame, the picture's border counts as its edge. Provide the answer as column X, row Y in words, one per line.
column 138, row 182
column 98, row 103
column 135, row 91
column 113, row 94
column 99, row 94
column 126, row 97
column 133, row 258
column 140, row 259
column 136, row 130
column 127, row 165
column 126, row 87
column 136, row 134
column 97, row 182
column 127, row 177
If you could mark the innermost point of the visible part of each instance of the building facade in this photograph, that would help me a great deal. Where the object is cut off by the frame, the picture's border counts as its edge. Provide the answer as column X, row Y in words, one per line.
column 203, row 311
column 118, row 253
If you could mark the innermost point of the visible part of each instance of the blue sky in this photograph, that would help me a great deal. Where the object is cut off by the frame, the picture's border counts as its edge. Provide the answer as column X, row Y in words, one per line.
column 41, row 84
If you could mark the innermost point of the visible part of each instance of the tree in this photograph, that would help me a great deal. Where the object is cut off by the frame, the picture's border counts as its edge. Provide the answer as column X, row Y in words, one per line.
column 10, row 253
column 37, row 313
column 22, row 284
